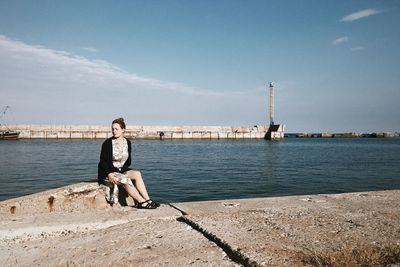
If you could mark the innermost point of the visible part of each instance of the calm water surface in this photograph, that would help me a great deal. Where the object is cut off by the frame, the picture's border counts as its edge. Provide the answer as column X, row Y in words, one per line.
column 192, row 170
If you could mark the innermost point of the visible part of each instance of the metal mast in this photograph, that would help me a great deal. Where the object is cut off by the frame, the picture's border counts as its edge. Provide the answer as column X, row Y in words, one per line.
column 271, row 103
column 4, row 111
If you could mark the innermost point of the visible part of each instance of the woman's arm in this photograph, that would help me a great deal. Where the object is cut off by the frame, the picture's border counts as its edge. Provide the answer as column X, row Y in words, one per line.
column 129, row 160
column 104, row 164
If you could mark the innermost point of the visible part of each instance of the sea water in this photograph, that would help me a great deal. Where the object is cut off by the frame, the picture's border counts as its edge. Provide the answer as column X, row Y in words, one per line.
column 194, row 170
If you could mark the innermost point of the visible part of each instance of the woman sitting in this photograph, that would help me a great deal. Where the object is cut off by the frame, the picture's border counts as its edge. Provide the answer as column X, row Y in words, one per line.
column 115, row 159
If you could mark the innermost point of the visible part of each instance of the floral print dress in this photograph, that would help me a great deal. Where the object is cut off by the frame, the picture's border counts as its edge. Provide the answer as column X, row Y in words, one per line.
column 120, row 155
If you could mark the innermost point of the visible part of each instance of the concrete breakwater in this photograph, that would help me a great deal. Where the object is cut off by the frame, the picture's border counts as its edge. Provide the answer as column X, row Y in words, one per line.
column 139, row 132
column 74, row 226
column 345, row 135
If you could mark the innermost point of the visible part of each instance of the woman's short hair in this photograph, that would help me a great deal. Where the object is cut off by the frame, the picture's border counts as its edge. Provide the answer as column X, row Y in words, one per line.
column 121, row 122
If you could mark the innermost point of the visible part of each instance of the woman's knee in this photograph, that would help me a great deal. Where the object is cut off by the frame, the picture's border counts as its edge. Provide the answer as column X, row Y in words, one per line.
column 134, row 174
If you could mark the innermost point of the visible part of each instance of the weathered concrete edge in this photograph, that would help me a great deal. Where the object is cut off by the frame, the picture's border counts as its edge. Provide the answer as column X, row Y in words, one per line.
column 84, row 196
column 87, row 191
column 91, row 195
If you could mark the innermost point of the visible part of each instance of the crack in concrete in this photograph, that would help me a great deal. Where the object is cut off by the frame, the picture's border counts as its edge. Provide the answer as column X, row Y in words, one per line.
column 178, row 209
column 233, row 254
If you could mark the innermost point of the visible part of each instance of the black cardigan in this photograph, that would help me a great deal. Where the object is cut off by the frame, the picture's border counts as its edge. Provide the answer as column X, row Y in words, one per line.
column 105, row 165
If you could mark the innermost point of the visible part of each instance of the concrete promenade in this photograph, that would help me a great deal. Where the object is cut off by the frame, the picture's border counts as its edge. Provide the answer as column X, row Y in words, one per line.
column 132, row 131
column 73, row 226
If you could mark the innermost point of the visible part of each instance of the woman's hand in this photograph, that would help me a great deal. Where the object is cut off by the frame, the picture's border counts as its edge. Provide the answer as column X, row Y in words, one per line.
column 111, row 177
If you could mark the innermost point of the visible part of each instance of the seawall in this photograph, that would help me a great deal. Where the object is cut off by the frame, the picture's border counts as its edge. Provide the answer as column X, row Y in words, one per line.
column 347, row 135
column 134, row 131
column 74, row 226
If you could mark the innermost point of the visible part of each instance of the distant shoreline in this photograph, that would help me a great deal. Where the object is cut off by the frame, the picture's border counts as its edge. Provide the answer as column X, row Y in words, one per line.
column 344, row 135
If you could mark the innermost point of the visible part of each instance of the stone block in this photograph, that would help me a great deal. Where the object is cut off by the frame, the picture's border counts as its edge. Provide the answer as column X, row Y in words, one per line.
column 196, row 135
column 239, row 135
column 100, row 135
column 51, row 134
column 88, row 135
column 64, row 135
column 177, row 135
column 205, row 135
column 187, row 135
column 37, row 134
column 76, row 135
column 214, row 135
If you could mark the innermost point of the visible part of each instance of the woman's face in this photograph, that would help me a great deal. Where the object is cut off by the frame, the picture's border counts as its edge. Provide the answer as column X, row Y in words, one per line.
column 117, row 131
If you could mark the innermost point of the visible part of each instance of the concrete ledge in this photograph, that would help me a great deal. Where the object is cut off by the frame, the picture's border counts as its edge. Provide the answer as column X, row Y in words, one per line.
column 353, row 229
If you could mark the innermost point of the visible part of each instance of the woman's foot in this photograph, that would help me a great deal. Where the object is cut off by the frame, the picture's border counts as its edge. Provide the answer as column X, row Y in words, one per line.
column 148, row 204
column 154, row 203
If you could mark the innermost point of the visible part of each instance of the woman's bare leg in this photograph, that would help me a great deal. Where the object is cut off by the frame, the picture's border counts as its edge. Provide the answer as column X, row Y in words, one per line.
column 134, row 193
column 136, row 176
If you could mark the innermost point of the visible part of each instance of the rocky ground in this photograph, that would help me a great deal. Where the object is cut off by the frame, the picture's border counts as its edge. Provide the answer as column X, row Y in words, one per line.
column 74, row 226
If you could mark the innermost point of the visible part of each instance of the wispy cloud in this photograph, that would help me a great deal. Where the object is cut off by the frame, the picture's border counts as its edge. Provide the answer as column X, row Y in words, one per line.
column 357, row 48
column 61, row 87
column 360, row 14
column 90, row 49
column 340, row 40
column 78, row 65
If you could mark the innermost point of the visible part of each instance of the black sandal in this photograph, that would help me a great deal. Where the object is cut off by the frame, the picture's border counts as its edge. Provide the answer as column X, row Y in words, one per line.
column 154, row 203
column 148, row 204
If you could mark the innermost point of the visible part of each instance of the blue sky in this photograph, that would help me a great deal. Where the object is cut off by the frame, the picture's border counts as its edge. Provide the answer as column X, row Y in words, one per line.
column 336, row 64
